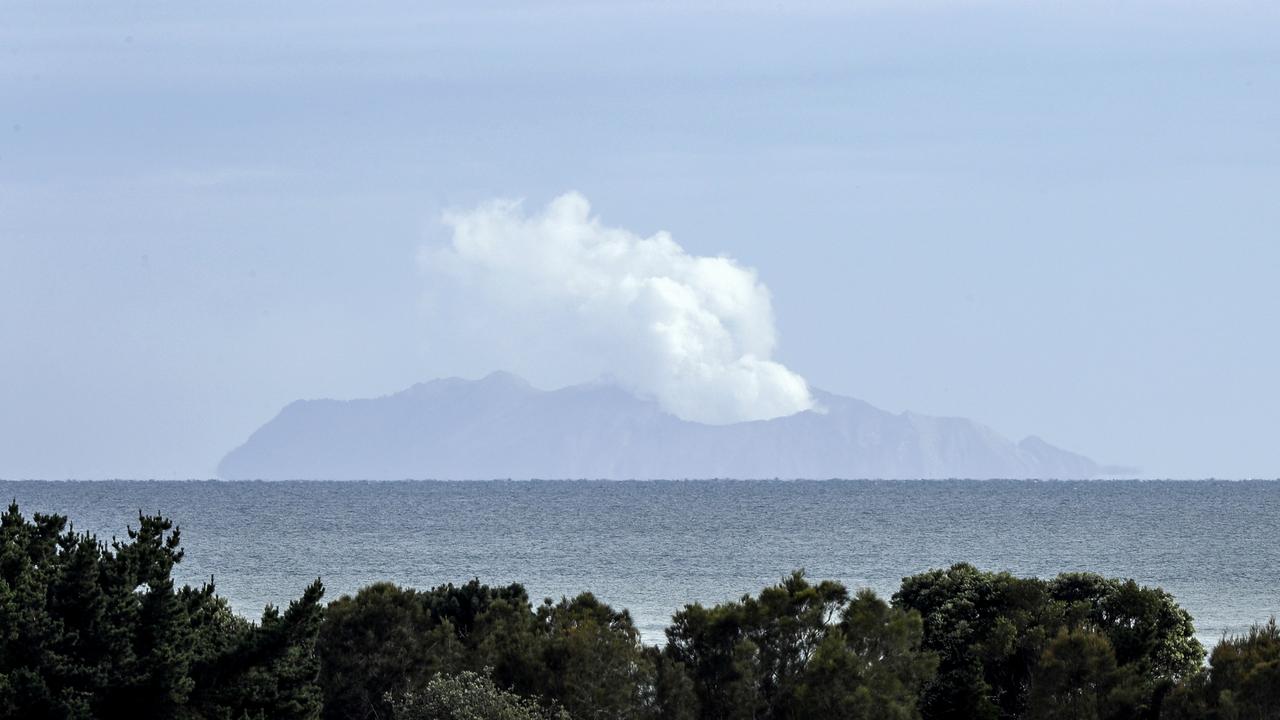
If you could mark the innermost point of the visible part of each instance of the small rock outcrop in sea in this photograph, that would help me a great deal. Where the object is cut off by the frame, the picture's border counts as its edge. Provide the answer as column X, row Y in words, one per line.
column 502, row 427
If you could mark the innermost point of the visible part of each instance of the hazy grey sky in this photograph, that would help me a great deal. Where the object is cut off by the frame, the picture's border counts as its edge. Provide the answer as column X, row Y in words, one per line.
column 1055, row 218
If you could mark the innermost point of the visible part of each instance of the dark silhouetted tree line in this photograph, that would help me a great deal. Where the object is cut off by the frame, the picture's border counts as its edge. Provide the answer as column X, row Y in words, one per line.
column 94, row 629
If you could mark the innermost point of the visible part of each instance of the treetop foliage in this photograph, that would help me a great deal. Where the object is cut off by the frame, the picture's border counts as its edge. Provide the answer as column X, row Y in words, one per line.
column 92, row 629
column 96, row 630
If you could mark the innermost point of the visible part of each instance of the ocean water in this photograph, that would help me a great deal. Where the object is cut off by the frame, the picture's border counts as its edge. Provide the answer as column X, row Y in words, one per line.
column 653, row 546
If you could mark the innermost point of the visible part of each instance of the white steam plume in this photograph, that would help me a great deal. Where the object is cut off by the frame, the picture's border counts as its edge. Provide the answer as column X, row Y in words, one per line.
column 694, row 333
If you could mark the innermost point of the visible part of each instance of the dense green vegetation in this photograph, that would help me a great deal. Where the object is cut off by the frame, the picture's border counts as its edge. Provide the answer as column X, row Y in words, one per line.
column 93, row 629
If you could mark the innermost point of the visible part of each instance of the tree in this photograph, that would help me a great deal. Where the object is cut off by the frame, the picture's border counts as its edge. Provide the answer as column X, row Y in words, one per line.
column 95, row 631
column 674, row 695
column 467, row 696
column 991, row 630
column 784, row 655
column 386, row 641
column 1242, row 683
column 988, row 630
column 271, row 670
column 1078, row 678
column 594, row 663
column 869, row 666
column 746, row 657
column 1147, row 628
column 372, row 646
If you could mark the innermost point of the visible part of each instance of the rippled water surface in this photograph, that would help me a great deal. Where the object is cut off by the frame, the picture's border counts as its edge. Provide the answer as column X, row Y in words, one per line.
column 652, row 546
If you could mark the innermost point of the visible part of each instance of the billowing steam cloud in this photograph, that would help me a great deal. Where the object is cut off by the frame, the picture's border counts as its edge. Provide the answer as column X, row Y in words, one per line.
column 694, row 333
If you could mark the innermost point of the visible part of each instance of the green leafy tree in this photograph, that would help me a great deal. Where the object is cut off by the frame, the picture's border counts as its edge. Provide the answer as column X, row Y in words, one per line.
column 374, row 645
column 869, row 666
column 990, row 631
column 490, row 627
column 674, row 694
column 95, row 630
column 268, row 671
column 1147, row 628
column 89, row 630
column 1189, row 700
column 594, row 663
column 801, row 650
column 386, row 641
column 1242, row 682
column 1078, row 678
column 746, row 657
column 467, row 696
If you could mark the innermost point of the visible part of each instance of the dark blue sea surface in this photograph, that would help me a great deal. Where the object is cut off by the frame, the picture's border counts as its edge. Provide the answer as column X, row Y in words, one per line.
column 653, row 546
